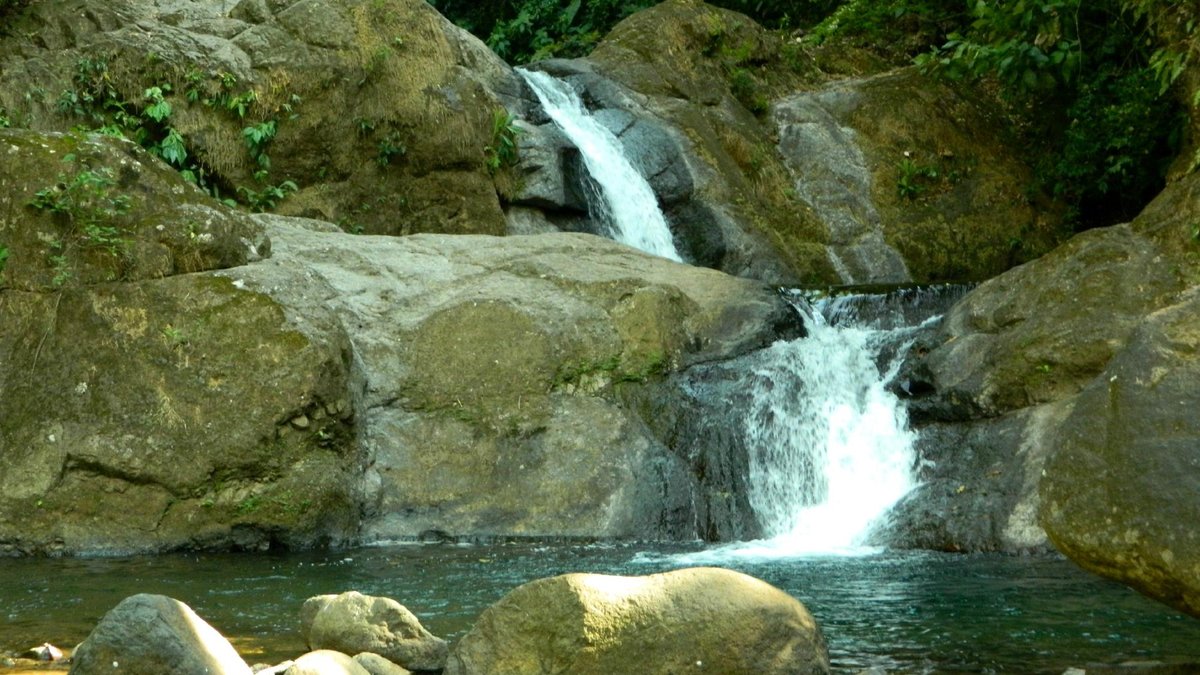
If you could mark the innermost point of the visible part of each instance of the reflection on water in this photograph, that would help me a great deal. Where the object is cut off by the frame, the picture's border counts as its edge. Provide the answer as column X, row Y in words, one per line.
column 904, row 611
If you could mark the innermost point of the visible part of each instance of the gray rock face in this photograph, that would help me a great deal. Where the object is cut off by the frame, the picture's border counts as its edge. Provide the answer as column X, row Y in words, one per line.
column 694, row 619
column 467, row 434
column 834, row 177
column 153, row 634
column 352, row 623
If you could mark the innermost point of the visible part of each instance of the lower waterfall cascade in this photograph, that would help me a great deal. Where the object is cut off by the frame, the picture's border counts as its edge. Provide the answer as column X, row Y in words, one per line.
column 827, row 442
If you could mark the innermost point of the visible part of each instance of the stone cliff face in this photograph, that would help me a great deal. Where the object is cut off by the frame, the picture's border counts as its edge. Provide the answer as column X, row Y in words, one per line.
column 346, row 388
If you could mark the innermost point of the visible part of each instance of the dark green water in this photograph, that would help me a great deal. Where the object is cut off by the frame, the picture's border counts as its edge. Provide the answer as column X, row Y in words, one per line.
column 904, row 611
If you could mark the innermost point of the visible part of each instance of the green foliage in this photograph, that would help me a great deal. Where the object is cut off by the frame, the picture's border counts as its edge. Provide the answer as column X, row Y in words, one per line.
column 86, row 199
column 502, row 151
column 268, row 197
column 530, row 30
column 258, row 137
column 87, row 202
column 390, row 147
column 3, row 256
column 5, row 120
column 913, row 178
column 147, row 122
column 1086, row 83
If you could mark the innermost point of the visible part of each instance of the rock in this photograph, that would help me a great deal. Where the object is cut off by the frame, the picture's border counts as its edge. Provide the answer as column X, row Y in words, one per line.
column 542, row 166
column 354, row 623
column 83, row 209
column 702, row 618
column 43, row 652
column 989, row 386
column 326, row 662
column 711, row 159
column 1042, row 331
column 377, row 665
column 430, row 400
column 914, row 180
column 153, row 634
column 1023, row 363
column 1120, row 492
column 382, row 110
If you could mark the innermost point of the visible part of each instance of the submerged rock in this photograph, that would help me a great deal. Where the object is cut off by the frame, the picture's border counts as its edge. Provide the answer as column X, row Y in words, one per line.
column 354, row 623
column 701, row 619
column 151, row 635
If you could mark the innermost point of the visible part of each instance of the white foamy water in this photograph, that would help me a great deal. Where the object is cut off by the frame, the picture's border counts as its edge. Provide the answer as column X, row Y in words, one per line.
column 829, row 448
column 626, row 203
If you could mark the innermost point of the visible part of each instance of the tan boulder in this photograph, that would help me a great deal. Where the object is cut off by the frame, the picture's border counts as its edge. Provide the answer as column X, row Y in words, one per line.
column 700, row 619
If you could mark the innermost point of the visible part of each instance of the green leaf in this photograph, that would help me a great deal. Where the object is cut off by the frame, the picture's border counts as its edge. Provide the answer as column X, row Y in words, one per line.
column 172, row 149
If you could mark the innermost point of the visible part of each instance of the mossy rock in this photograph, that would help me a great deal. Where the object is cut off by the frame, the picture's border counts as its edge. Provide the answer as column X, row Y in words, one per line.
column 712, row 74
column 84, row 209
column 1121, row 493
column 384, row 101
column 137, row 420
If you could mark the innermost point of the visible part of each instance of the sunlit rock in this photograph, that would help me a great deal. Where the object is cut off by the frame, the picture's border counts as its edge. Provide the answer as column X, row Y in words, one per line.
column 151, row 635
column 691, row 620
column 354, row 623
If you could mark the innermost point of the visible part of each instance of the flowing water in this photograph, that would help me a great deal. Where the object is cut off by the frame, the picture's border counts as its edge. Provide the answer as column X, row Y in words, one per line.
column 625, row 204
column 909, row 612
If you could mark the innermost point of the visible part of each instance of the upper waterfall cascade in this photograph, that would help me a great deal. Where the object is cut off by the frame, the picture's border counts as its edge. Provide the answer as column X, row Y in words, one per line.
column 625, row 204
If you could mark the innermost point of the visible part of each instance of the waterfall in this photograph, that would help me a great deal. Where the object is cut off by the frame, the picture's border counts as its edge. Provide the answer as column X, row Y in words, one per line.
column 626, row 204
column 829, row 448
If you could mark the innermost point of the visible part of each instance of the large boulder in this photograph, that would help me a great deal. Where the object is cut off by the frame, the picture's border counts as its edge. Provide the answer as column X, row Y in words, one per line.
column 1008, row 391
column 491, row 392
column 468, row 386
column 1121, row 492
column 153, row 634
column 382, row 112
column 1044, row 330
column 353, row 623
column 702, row 619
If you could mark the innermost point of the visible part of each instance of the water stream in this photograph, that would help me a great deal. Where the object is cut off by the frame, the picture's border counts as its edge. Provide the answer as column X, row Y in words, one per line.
column 907, row 612
column 625, row 204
